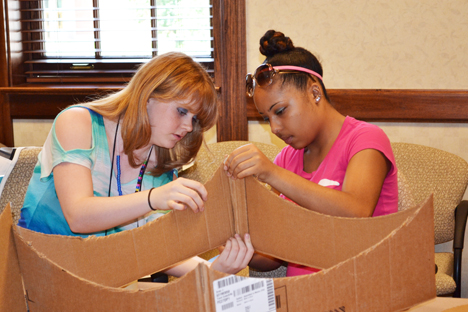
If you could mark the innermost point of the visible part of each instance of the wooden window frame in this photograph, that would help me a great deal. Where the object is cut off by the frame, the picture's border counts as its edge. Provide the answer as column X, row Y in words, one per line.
column 19, row 100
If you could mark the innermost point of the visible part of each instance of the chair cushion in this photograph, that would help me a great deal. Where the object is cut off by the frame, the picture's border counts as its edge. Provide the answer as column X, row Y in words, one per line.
column 279, row 272
column 445, row 283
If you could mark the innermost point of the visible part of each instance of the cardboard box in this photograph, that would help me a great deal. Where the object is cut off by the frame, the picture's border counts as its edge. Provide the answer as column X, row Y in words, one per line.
column 369, row 264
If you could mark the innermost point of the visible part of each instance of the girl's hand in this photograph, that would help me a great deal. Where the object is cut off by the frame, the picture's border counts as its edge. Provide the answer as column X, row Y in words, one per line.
column 180, row 194
column 246, row 161
column 235, row 256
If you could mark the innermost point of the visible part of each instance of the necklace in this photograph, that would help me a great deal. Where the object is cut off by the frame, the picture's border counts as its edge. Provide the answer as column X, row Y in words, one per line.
column 119, row 172
column 140, row 175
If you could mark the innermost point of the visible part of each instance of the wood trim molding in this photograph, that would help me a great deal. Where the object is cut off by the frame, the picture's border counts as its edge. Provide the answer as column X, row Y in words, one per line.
column 230, row 67
column 41, row 102
column 395, row 105
column 45, row 102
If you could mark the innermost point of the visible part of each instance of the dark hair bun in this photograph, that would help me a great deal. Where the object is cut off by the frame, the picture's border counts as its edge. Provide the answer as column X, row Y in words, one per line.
column 274, row 42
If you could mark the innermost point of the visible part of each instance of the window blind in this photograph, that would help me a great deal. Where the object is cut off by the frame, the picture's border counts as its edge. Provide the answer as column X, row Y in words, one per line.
column 106, row 40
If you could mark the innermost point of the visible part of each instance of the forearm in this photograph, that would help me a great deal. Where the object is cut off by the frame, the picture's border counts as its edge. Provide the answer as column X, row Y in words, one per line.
column 316, row 197
column 93, row 214
column 186, row 266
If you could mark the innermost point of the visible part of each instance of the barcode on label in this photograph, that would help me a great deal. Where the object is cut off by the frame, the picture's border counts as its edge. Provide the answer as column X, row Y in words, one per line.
column 227, row 306
column 242, row 291
column 257, row 285
column 229, row 281
column 248, row 288
column 271, row 295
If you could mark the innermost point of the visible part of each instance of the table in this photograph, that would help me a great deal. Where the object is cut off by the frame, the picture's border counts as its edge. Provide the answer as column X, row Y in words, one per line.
column 440, row 304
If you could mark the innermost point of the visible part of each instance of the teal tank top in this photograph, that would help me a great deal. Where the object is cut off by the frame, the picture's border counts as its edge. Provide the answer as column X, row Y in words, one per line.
column 41, row 210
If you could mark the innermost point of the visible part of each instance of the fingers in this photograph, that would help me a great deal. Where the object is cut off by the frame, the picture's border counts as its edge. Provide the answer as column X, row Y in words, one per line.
column 235, row 256
column 229, row 160
column 196, row 186
column 183, row 197
column 241, row 159
column 181, row 194
column 250, row 250
column 246, row 250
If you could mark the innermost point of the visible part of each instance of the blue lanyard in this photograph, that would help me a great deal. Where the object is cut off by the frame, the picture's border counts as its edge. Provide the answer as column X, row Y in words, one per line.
column 140, row 175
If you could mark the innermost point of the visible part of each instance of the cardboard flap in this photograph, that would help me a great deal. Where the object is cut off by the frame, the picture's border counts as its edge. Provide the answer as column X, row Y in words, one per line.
column 126, row 256
column 52, row 288
column 11, row 284
column 292, row 233
column 392, row 275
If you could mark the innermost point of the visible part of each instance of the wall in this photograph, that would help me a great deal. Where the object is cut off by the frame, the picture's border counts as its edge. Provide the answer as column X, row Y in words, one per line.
column 34, row 132
column 376, row 44
column 405, row 44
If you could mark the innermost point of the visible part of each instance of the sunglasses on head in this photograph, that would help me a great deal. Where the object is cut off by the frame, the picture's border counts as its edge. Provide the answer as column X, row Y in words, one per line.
column 263, row 75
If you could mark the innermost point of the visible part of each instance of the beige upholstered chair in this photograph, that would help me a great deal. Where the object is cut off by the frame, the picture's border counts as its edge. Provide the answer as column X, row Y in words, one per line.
column 426, row 171
column 17, row 183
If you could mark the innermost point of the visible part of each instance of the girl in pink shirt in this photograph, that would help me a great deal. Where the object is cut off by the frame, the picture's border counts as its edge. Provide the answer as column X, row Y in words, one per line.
column 333, row 164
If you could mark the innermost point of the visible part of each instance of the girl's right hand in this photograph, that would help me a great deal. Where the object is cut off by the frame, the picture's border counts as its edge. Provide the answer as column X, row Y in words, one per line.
column 246, row 161
column 180, row 194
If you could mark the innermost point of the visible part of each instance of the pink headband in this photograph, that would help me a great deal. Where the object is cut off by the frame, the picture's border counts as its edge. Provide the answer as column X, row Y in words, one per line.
column 297, row 68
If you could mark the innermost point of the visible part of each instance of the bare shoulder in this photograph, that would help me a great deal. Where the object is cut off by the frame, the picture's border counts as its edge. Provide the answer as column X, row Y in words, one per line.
column 73, row 128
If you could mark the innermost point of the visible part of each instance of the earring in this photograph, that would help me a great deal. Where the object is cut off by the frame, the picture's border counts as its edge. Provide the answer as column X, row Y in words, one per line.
column 317, row 99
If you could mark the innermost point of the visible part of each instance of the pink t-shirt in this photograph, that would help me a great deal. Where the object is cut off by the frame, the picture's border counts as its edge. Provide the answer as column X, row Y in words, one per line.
column 354, row 137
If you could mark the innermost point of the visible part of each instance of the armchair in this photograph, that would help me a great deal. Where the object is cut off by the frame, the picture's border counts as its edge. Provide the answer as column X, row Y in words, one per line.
column 430, row 170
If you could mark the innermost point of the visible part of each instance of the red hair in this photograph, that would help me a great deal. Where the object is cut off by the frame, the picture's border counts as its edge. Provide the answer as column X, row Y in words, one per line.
column 167, row 77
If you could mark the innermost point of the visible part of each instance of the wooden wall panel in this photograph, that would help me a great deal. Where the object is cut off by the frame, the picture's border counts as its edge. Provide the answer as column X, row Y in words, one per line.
column 41, row 102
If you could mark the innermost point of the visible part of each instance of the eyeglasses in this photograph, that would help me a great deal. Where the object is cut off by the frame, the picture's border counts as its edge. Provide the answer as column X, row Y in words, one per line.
column 263, row 75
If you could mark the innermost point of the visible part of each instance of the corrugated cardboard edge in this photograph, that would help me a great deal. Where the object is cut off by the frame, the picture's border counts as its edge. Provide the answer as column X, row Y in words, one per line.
column 239, row 205
column 11, row 283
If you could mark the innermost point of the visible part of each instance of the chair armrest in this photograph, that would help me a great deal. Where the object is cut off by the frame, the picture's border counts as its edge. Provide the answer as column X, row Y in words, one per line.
column 461, row 214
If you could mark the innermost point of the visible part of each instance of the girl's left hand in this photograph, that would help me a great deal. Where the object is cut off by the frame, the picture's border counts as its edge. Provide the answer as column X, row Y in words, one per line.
column 246, row 161
column 235, row 256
